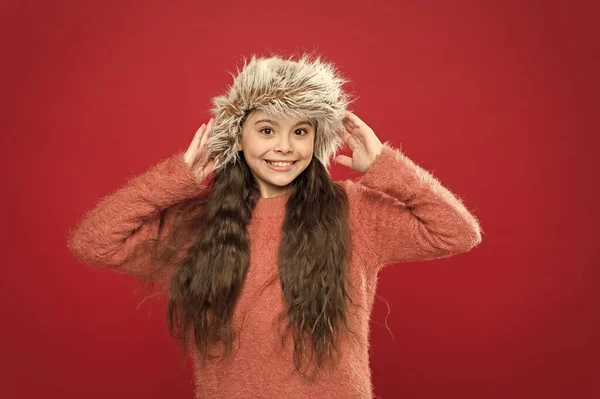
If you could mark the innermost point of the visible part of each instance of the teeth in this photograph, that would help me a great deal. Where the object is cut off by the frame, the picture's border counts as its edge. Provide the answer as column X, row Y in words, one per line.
column 283, row 164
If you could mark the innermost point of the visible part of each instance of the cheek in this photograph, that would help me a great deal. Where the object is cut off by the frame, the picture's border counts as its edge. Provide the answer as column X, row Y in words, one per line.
column 250, row 151
column 307, row 150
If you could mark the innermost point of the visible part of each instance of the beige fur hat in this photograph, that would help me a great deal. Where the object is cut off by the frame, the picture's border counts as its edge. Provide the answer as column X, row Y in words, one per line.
column 306, row 88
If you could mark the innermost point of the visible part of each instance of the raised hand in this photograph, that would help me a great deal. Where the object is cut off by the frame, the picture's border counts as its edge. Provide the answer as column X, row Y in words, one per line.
column 363, row 142
column 196, row 155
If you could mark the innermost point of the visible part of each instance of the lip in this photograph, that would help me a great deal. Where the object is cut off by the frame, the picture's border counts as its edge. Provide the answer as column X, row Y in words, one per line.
column 280, row 168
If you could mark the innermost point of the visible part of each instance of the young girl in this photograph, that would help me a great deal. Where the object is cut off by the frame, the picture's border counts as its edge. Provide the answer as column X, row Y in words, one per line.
column 248, row 234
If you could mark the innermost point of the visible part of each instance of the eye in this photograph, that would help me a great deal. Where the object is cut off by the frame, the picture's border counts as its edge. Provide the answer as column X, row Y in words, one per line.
column 265, row 129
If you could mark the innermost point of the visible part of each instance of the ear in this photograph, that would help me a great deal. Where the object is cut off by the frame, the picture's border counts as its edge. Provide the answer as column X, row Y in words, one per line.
column 239, row 145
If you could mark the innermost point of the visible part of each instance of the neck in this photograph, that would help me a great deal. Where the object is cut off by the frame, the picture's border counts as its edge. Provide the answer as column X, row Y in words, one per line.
column 271, row 206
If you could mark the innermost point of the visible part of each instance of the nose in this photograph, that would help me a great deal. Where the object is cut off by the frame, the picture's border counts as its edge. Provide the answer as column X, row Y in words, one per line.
column 283, row 144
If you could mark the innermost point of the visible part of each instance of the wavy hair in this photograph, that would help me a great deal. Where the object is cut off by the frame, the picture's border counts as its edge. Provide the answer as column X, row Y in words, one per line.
column 211, row 234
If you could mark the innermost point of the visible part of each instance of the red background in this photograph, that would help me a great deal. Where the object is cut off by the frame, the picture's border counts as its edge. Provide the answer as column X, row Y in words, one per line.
column 499, row 101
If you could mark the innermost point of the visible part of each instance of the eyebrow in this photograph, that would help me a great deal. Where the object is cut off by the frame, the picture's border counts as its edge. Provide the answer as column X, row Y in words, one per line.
column 276, row 124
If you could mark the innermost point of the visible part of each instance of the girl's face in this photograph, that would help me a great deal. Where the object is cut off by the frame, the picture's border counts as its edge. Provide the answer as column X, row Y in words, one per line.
column 265, row 140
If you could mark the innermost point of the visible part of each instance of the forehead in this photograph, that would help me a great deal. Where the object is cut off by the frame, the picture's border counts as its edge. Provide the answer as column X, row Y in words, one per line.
column 278, row 119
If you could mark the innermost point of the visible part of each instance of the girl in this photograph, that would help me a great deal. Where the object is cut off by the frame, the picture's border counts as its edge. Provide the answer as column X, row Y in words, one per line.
column 248, row 234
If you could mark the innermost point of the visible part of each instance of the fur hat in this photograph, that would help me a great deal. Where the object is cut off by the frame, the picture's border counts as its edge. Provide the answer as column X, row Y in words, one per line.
column 306, row 88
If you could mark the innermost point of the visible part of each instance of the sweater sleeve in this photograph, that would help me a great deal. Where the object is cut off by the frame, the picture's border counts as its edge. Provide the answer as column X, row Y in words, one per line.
column 108, row 233
column 405, row 214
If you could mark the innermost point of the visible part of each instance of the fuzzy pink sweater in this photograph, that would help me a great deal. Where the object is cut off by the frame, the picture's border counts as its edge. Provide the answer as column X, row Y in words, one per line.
column 399, row 213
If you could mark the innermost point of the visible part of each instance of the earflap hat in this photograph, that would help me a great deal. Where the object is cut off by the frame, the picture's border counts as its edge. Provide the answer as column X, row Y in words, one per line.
column 307, row 88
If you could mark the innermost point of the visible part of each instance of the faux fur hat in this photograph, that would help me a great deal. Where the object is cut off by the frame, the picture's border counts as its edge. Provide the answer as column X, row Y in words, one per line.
column 306, row 88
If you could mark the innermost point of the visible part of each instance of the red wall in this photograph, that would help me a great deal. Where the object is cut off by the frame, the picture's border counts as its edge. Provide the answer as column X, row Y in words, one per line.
column 500, row 102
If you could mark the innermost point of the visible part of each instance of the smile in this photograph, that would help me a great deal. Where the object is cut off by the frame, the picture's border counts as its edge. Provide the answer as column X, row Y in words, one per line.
column 280, row 166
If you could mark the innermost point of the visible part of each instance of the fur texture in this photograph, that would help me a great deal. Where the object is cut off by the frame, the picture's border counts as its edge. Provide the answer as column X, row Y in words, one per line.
column 307, row 88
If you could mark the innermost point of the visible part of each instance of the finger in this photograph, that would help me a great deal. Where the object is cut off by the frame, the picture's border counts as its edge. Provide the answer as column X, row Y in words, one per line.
column 206, row 128
column 346, row 136
column 197, row 137
column 203, row 141
column 351, row 115
column 209, row 168
column 344, row 160
column 354, row 119
column 211, row 123
column 206, row 134
column 349, row 124
column 353, row 141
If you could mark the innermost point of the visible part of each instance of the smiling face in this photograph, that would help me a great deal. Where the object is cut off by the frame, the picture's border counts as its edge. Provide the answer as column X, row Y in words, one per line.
column 266, row 140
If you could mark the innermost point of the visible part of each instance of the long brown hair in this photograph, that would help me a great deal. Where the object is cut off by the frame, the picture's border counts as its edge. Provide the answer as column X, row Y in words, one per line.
column 313, row 256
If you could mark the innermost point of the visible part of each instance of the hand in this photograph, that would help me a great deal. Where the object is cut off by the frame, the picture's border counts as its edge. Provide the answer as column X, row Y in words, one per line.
column 362, row 141
column 196, row 155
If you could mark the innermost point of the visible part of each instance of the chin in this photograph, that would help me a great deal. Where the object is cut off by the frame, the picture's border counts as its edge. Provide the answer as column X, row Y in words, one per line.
column 280, row 183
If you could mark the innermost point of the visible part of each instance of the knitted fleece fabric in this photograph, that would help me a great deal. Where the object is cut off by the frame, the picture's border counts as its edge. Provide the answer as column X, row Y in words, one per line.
column 398, row 213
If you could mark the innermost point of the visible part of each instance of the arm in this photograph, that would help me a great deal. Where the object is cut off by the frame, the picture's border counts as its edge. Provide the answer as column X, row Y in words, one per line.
column 107, row 234
column 405, row 214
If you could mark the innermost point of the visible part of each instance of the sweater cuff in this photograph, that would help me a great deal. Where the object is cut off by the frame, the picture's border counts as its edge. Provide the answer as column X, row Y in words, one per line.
column 386, row 170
